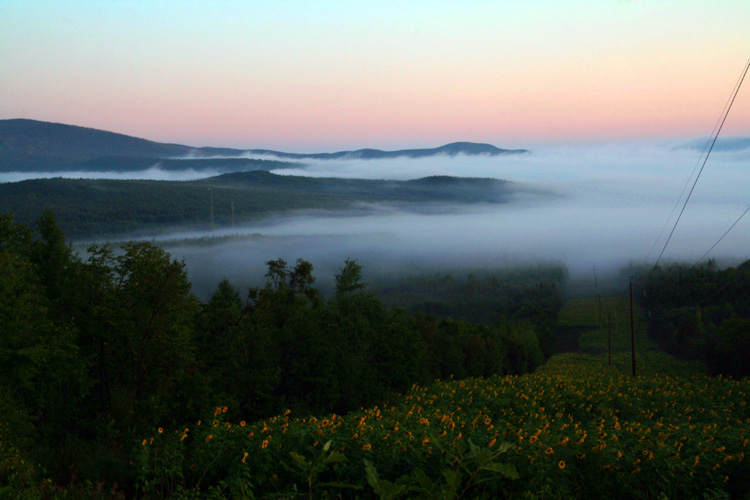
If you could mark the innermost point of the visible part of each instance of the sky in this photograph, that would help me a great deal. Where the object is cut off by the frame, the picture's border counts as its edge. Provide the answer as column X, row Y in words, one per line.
column 312, row 76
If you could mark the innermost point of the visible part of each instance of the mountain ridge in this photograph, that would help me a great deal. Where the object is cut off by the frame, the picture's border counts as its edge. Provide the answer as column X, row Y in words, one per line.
column 451, row 149
column 31, row 145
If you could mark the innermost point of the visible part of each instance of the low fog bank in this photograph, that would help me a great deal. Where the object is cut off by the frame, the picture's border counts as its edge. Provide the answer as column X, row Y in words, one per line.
column 151, row 174
column 615, row 200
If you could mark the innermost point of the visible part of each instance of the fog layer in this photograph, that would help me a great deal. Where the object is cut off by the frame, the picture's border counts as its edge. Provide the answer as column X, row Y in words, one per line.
column 615, row 200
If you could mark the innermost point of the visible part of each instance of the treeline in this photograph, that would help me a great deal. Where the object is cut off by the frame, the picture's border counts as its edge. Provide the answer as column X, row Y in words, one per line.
column 702, row 312
column 97, row 352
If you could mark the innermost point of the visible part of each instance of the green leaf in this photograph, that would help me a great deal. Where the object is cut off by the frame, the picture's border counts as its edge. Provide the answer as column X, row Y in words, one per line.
column 506, row 470
column 336, row 484
column 334, row 457
column 386, row 490
column 452, row 479
column 424, row 481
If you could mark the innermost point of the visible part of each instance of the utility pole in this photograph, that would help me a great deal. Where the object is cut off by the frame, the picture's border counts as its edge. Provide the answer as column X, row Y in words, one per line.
column 632, row 327
column 211, row 194
column 609, row 338
column 599, row 295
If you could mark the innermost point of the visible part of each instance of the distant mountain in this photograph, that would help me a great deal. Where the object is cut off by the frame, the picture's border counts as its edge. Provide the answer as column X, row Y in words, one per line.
column 722, row 144
column 452, row 149
column 31, row 145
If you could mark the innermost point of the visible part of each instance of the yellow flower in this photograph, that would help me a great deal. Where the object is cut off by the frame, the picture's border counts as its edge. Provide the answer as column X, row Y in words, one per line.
column 143, row 443
column 425, row 441
column 367, row 447
column 244, row 456
column 533, row 439
column 224, row 410
column 264, row 444
column 161, row 430
column 549, row 451
column 242, row 423
column 209, row 437
column 561, row 464
column 492, row 443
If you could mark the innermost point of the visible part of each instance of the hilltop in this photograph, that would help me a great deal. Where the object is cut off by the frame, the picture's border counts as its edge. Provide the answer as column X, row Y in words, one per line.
column 31, row 145
column 95, row 207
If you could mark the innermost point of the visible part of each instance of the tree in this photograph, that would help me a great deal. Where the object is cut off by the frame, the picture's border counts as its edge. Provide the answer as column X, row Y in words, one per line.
column 141, row 316
column 348, row 279
column 42, row 375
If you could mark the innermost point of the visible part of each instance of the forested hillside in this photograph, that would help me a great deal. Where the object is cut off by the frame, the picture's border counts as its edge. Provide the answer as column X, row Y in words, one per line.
column 88, row 208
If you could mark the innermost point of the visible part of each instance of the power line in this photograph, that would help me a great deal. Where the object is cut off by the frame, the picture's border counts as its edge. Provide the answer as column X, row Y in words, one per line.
column 713, row 143
column 697, row 162
column 723, row 235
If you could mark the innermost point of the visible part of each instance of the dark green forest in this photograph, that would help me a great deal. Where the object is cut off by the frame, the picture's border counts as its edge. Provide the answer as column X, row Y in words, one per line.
column 97, row 352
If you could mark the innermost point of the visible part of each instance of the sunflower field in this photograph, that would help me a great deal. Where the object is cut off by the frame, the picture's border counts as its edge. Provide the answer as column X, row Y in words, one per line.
column 577, row 428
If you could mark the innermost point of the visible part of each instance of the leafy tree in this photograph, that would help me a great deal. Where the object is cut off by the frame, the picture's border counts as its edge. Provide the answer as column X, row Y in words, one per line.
column 141, row 319
column 42, row 375
column 348, row 280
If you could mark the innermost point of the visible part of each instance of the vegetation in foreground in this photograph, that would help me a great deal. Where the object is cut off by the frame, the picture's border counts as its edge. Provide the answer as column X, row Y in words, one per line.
column 96, row 352
column 577, row 428
column 574, row 429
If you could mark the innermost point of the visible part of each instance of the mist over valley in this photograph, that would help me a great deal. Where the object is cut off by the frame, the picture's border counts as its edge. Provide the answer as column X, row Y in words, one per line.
column 602, row 205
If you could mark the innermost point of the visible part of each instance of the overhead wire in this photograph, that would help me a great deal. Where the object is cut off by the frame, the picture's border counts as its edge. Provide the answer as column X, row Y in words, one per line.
column 723, row 235
column 697, row 162
column 713, row 143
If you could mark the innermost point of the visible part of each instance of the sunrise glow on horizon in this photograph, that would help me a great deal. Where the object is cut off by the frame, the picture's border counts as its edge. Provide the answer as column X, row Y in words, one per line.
column 316, row 76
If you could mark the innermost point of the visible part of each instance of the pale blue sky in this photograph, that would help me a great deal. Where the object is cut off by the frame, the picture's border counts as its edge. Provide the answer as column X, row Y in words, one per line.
column 335, row 74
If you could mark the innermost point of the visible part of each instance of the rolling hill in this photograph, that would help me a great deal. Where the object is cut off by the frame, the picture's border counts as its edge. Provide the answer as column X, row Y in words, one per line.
column 89, row 208
column 31, row 145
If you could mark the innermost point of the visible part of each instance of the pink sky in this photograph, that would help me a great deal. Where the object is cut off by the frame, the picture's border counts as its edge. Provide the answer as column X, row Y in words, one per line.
column 315, row 76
